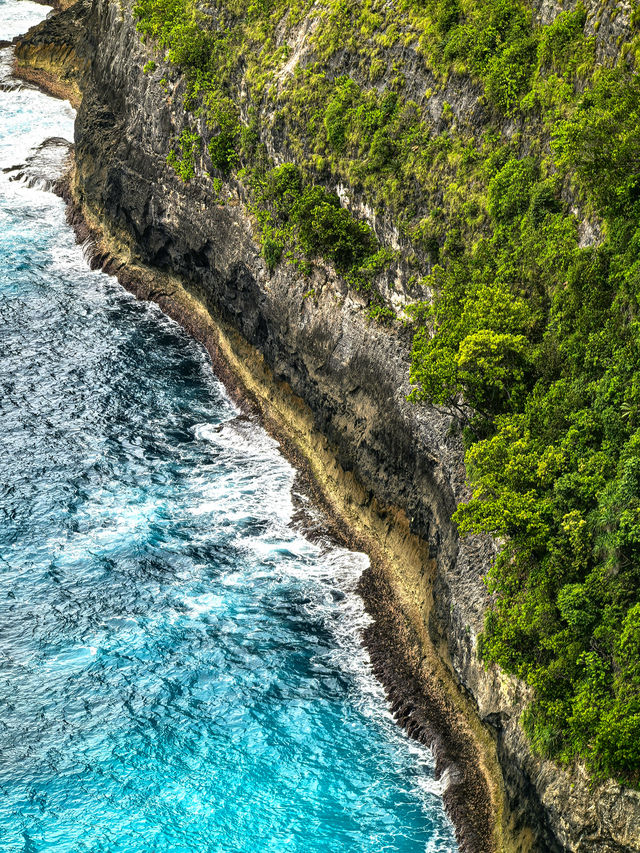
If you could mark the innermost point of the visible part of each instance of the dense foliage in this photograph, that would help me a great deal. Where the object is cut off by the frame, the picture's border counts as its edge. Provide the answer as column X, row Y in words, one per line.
column 523, row 223
column 540, row 337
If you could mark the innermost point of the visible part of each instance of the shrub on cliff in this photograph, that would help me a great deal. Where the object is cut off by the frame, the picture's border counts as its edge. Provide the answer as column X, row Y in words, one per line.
column 312, row 219
column 182, row 156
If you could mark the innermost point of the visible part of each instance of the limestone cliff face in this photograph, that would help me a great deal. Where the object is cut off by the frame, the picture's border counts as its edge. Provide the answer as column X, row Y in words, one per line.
column 351, row 374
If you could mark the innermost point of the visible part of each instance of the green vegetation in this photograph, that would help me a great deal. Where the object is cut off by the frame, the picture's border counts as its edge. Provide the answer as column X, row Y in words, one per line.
column 309, row 219
column 182, row 157
column 532, row 336
column 222, row 117
column 309, row 222
column 382, row 314
column 539, row 336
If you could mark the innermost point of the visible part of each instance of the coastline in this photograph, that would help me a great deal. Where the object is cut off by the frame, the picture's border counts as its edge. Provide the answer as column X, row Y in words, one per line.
column 424, row 587
column 420, row 689
column 51, row 64
column 424, row 696
column 61, row 287
column 392, row 471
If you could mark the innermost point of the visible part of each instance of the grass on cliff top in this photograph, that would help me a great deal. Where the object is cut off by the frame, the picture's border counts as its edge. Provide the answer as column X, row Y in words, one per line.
column 519, row 201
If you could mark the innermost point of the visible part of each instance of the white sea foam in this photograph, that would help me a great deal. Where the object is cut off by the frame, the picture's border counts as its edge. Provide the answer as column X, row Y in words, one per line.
column 17, row 18
column 250, row 481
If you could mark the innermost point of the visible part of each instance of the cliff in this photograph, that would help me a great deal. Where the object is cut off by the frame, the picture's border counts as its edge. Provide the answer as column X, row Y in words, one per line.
column 335, row 384
column 49, row 58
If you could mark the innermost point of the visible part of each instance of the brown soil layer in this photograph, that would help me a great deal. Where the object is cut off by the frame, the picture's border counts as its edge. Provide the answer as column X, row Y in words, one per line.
column 46, row 81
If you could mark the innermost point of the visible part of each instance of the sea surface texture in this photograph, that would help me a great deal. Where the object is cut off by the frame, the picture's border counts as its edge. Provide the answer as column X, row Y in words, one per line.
column 180, row 668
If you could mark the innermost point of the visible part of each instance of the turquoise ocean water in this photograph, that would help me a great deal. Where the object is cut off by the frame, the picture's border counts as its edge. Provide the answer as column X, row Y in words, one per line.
column 180, row 669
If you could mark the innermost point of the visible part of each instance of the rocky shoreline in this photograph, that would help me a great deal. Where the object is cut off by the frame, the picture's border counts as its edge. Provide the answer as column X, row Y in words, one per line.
column 420, row 699
column 332, row 387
